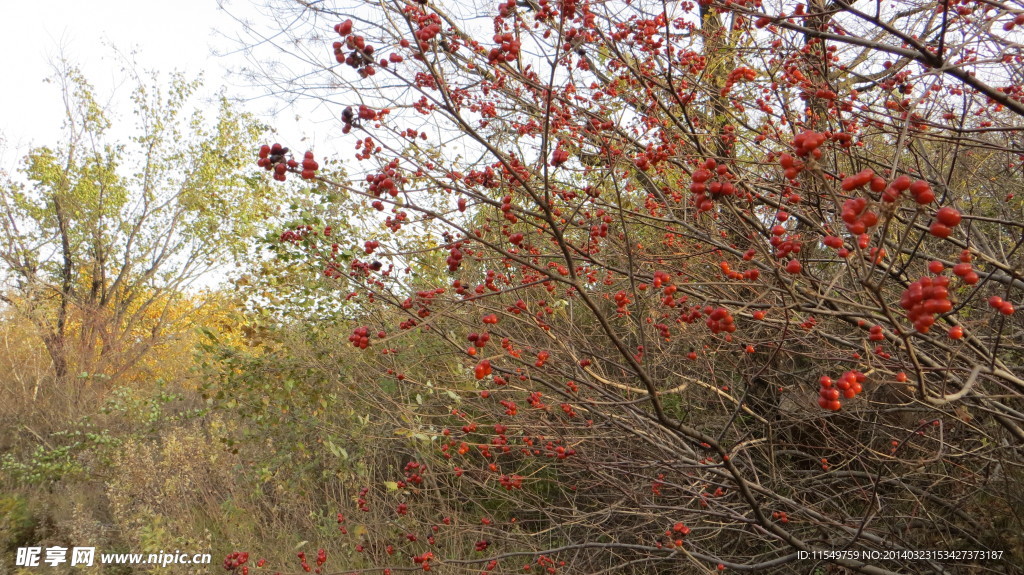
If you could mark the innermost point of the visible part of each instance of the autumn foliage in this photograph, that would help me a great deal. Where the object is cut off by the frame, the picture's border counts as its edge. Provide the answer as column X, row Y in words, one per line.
column 706, row 285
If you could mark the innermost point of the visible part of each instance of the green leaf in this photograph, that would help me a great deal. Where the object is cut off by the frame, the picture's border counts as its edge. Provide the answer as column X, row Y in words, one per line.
column 332, row 448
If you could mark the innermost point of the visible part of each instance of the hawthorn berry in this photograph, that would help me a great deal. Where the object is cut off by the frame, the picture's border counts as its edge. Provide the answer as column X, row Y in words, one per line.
column 948, row 216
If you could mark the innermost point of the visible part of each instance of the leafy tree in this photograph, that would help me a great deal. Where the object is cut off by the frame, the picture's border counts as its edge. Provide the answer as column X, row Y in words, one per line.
column 721, row 283
column 102, row 240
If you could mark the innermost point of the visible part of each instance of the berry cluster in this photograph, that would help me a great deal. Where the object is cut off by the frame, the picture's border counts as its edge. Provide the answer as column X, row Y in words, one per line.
column 857, row 216
column 510, row 482
column 506, row 9
column 946, row 219
column 704, row 189
column 783, row 245
column 621, row 301
column 676, row 533
column 924, row 299
column 963, row 270
column 506, row 209
column 321, row 558
column 482, row 369
column 507, row 49
column 661, row 278
column 454, row 259
column 350, row 117
column 414, row 473
column 848, row 386
column 836, row 243
column 862, row 178
column 386, row 181
column 751, row 274
column 720, row 320
column 361, row 55
column 791, row 166
column 559, row 157
column 360, row 337
column 1004, row 307
column 428, row 27
column 921, row 190
column 740, row 73
column 423, row 560
column 479, row 340
column 664, row 281
column 297, row 235
column 236, row 559
column 1018, row 20
column 361, row 500
column 808, row 143
column 272, row 158
column 309, row 166
column 859, row 179
column 598, row 231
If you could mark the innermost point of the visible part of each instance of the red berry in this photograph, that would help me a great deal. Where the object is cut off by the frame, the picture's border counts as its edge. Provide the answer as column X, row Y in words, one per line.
column 948, row 216
column 925, row 197
column 940, row 230
column 855, row 181
column 918, row 187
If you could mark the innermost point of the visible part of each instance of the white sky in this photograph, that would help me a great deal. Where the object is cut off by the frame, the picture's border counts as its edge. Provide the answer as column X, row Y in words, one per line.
column 175, row 35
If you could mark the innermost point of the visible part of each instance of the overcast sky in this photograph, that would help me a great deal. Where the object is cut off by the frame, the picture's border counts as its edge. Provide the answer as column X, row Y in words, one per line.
column 168, row 36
